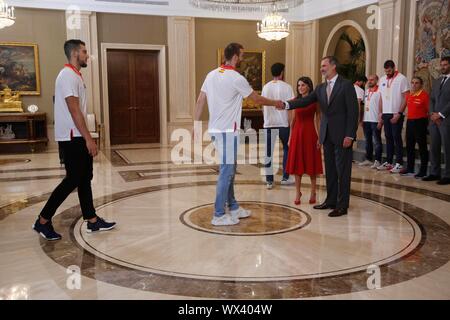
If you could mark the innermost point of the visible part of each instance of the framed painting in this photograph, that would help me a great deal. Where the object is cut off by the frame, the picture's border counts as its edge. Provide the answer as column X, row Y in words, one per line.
column 19, row 68
column 253, row 68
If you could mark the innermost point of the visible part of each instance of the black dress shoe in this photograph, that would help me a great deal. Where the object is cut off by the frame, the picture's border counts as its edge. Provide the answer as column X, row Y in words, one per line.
column 324, row 206
column 338, row 213
column 431, row 178
column 444, row 181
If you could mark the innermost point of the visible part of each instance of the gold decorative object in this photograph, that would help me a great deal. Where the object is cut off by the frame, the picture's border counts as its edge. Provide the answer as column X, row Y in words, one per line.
column 9, row 101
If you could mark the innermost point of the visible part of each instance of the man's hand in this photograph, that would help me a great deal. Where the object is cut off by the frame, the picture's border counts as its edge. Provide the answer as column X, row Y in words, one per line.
column 347, row 143
column 280, row 105
column 318, row 145
column 435, row 117
column 395, row 118
column 380, row 125
column 91, row 146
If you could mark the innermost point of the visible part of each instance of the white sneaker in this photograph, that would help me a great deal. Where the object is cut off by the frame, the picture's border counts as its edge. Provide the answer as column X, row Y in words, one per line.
column 240, row 213
column 376, row 164
column 398, row 167
column 385, row 166
column 269, row 185
column 365, row 163
column 225, row 220
column 287, row 182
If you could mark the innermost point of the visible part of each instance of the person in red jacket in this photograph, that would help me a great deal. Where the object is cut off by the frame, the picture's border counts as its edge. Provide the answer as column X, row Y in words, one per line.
column 418, row 105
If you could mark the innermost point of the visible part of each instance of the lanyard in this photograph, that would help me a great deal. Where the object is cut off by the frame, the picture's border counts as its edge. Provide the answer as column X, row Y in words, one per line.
column 371, row 92
column 68, row 65
column 389, row 83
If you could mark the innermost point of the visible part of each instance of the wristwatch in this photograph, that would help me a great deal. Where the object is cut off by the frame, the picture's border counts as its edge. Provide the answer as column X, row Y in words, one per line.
column 400, row 113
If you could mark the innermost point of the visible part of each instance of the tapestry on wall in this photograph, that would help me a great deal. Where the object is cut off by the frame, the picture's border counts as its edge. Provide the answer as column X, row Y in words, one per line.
column 432, row 38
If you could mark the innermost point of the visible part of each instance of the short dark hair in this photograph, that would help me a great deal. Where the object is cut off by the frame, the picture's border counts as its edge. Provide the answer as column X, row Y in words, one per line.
column 418, row 78
column 389, row 64
column 308, row 82
column 231, row 50
column 277, row 69
column 361, row 78
column 332, row 59
column 70, row 45
column 445, row 59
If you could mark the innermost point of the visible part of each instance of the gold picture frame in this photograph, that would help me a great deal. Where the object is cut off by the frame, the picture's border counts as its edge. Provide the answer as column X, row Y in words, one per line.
column 19, row 68
column 253, row 68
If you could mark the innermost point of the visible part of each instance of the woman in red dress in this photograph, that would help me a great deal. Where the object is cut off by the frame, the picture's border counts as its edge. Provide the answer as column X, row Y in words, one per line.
column 304, row 155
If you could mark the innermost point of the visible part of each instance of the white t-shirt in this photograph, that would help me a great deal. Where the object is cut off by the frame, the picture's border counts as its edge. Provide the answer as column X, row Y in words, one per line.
column 68, row 84
column 372, row 106
column 276, row 90
column 225, row 89
column 391, row 92
column 359, row 93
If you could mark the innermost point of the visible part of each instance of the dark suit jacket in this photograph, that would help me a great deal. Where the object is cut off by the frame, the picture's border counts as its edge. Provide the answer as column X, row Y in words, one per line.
column 340, row 116
column 440, row 99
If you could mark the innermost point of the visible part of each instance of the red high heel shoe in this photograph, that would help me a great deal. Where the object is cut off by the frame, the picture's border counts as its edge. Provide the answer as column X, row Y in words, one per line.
column 298, row 202
column 312, row 199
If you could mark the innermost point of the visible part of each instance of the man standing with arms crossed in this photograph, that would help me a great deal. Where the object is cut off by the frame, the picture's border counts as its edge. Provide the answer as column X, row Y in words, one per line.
column 75, row 142
column 224, row 90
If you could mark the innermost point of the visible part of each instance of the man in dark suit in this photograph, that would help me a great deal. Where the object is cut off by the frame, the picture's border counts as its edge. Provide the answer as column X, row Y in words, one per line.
column 339, row 106
column 440, row 125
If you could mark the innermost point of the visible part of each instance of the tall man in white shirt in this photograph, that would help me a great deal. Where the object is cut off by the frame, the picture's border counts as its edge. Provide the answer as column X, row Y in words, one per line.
column 394, row 87
column 75, row 142
column 224, row 90
column 372, row 130
column 276, row 122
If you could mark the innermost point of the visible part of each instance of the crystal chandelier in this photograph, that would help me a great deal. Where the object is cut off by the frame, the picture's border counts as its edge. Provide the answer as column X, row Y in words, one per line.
column 246, row 5
column 7, row 17
column 273, row 27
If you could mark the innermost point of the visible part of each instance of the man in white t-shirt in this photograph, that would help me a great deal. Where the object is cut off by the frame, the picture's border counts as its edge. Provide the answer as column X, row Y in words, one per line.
column 224, row 90
column 75, row 142
column 276, row 122
column 359, row 84
column 394, row 88
column 372, row 130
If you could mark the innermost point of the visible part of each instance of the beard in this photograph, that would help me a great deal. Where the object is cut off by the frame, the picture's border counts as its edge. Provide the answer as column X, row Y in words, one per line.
column 83, row 64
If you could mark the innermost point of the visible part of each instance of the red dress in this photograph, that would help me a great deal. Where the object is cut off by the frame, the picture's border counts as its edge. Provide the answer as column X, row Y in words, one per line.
column 303, row 155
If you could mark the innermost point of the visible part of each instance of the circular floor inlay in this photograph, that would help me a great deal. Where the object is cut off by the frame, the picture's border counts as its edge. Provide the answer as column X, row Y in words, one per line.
column 266, row 218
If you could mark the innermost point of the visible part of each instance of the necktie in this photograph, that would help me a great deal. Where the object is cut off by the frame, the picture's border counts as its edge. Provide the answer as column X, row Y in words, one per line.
column 329, row 90
column 443, row 82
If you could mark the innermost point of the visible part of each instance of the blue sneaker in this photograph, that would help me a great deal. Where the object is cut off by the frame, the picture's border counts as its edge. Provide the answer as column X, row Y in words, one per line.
column 46, row 230
column 100, row 225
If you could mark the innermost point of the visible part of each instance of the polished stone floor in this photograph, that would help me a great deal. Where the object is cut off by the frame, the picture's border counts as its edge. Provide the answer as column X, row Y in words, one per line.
column 394, row 244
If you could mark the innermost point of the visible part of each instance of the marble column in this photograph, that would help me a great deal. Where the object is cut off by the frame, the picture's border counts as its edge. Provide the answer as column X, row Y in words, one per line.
column 181, row 46
column 83, row 25
column 391, row 33
column 302, row 51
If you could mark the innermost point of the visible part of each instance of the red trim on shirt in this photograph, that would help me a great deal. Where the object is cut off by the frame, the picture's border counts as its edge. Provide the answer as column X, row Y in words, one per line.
column 71, row 66
column 227, row 67
column 418, row 105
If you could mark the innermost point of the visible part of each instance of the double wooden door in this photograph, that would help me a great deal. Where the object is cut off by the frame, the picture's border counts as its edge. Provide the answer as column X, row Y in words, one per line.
column 133, row 96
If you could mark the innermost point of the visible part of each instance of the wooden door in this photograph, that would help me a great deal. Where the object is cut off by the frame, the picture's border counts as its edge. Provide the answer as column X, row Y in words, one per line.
column 133, row 96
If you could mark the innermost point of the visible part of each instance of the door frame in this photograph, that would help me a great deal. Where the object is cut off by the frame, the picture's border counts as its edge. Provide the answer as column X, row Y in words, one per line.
column 161, row 79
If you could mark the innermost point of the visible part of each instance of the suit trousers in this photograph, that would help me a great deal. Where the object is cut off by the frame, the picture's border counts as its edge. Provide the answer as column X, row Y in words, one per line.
column 440, row 138
column 338, row 170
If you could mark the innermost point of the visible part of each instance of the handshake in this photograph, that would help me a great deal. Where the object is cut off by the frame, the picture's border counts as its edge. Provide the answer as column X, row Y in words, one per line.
column 280, row 105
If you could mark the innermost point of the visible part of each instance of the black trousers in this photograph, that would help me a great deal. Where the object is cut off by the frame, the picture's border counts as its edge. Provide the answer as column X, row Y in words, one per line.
column 79, row 172
column 416, row 132
column 338, row 170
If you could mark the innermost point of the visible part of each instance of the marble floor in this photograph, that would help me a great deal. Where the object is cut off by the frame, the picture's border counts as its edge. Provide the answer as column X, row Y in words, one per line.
column 394, row 244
